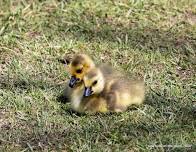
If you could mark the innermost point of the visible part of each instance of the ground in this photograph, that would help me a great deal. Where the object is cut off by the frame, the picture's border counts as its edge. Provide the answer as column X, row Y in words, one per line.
column 152, row 39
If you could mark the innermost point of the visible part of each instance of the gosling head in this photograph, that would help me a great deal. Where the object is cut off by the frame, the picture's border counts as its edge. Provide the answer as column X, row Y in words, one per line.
column 94, row 82
column 78, row 67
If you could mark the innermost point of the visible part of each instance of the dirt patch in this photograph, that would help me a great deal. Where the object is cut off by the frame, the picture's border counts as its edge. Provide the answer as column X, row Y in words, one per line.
column 33, row 34
column 184, row 73
column 45, row 140
column 5, row 124
column 190, row 17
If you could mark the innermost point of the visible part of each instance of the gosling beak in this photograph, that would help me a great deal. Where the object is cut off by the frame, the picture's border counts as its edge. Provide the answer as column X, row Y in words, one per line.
column 87, row 91
column 72, row 81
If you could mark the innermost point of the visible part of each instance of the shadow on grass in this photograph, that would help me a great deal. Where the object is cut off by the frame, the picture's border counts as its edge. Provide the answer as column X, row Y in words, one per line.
column 145, row 37
column 184, row 112
column 33, row 138
column 109, row 127
column 62, row 98
column 27, row 84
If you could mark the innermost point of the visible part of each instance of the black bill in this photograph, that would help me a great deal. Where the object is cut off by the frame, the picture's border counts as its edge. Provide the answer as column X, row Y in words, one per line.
column 87, row 91
column 72, row 81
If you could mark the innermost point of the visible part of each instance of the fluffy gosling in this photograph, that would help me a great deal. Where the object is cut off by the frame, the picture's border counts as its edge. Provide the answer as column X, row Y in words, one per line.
column 118, row 91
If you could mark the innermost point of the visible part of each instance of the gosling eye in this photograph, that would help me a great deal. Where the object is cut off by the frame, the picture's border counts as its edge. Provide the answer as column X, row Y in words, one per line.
column 94, row 83
column 79, row 71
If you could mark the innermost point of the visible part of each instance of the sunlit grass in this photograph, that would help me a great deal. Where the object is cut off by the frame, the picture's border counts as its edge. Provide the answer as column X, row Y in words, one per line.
column 155, row 40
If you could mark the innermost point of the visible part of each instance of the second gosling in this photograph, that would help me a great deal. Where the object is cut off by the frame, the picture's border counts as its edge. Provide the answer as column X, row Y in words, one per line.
column 119, row 92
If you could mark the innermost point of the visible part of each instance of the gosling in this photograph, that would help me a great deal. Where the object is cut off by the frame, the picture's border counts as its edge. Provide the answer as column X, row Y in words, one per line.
column 77, row 68
column 118, row 91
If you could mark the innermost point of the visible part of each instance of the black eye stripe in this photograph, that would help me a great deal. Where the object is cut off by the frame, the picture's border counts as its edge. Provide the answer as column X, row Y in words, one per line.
column 94, row 83
column 79, row 71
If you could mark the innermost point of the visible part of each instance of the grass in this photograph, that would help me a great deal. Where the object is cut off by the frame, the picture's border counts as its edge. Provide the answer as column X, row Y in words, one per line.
column 152, row 39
